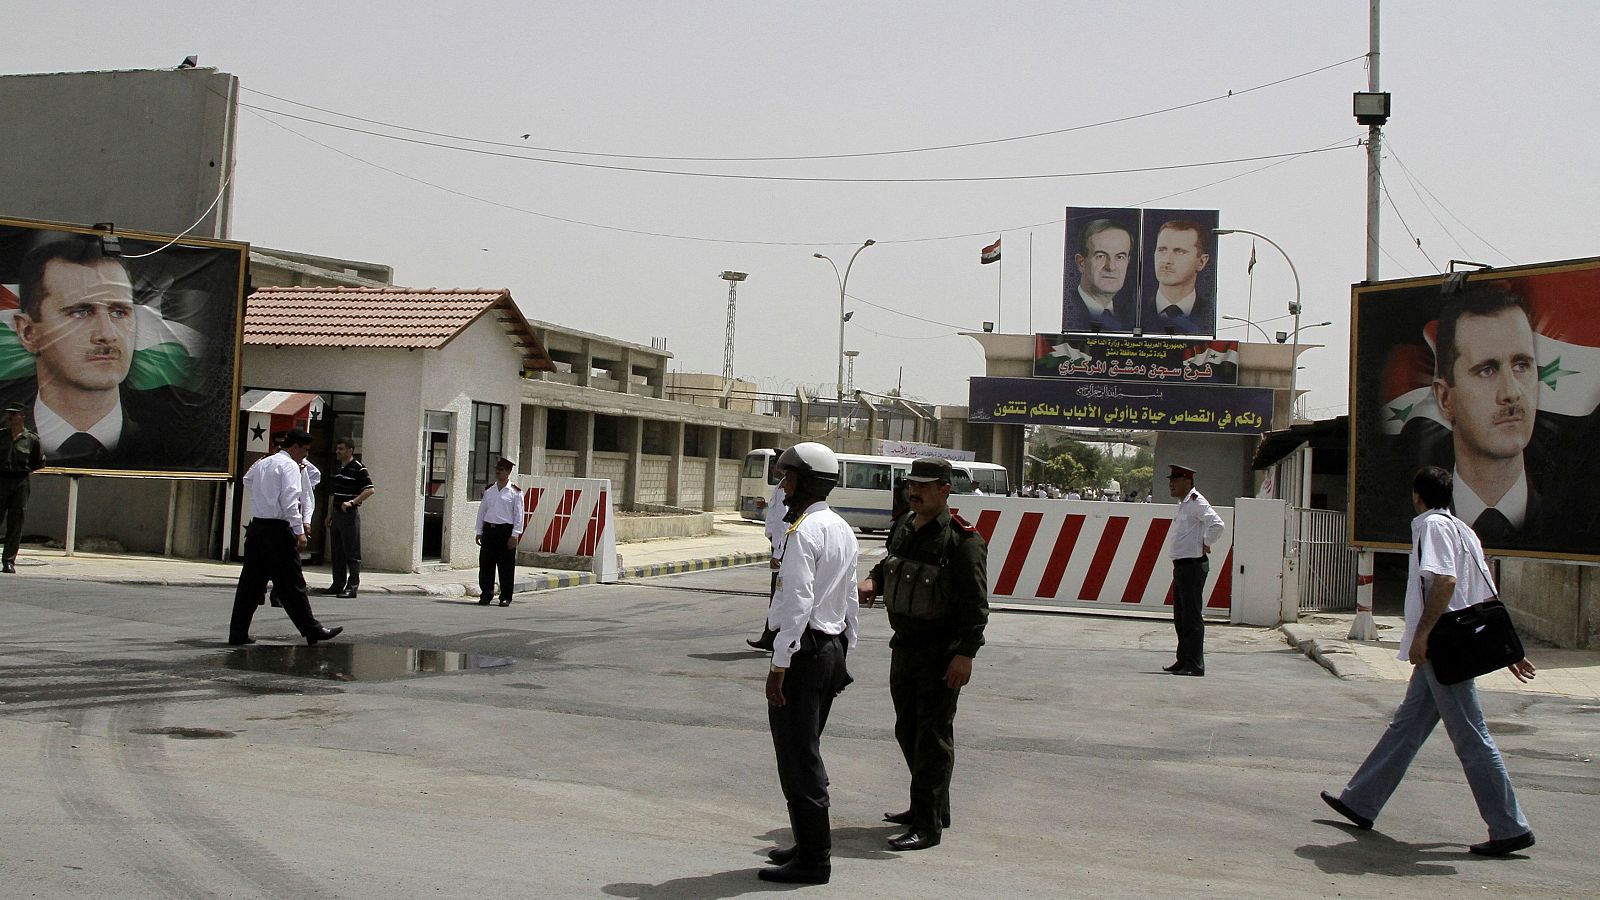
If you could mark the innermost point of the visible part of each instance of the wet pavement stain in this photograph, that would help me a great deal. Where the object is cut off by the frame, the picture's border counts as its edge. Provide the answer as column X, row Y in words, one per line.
column 354, row 662
column 187, row 733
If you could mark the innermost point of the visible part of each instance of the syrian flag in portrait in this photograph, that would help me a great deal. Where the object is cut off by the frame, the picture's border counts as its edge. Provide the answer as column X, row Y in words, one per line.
column 1397, row 423
column 990, row 253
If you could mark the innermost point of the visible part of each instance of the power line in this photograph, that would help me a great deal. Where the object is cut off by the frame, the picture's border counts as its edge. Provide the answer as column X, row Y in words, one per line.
column 1384, row 185
column 955, row 179
column 818, row 156
column 1389, row 145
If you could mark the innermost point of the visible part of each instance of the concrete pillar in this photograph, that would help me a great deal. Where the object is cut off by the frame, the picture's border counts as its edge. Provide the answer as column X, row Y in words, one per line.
column 533, row 440
column 583, row 423
column 585, row 364
column 674, row 463
column 712, row 443
column 633, row 442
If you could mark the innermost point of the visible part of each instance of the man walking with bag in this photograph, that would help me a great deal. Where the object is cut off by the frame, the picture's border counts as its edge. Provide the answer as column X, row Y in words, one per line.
column 1447, row 572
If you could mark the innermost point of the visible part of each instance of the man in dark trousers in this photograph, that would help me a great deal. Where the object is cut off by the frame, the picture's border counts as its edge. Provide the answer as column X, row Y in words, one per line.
column 350, row 487
column 279, row 491
column 499, row 530
column 814, row 613
column 934, row 583
column 1195, row 527
column 20, row 454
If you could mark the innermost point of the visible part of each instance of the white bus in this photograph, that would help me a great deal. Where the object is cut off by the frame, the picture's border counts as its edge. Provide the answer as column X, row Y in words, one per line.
column 865, row 495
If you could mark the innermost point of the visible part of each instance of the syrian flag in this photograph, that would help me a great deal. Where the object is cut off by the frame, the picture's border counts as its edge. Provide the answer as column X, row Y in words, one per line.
column 1214, row 353
column 1566, row 342
column 1251, row 269
column 990, row 253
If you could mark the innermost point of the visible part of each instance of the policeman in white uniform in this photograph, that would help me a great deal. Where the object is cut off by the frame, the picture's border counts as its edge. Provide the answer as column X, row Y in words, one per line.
column 498, row 531
column 814, row 612
column 1194, row 529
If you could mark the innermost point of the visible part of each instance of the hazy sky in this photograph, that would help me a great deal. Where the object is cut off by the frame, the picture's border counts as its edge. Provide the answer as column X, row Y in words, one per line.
column 1494, row 122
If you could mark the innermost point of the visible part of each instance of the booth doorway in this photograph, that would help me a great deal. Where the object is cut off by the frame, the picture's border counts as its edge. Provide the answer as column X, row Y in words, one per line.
column 436, row 431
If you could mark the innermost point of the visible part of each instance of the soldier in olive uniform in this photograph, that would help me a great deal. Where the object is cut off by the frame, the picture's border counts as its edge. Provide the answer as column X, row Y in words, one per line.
column 935, row 588
column 20, row 454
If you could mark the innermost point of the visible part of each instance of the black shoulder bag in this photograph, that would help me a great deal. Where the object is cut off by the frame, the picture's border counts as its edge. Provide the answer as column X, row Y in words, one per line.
column 1466, row 643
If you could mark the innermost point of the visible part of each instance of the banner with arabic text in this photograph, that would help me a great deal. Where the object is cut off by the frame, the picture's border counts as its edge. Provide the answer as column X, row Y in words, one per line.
column 123, row 349
column 1147, row 407
column 1121, row 358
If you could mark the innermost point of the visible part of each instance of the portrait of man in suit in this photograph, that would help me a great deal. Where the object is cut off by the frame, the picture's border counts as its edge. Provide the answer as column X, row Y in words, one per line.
column 1177, row 305
column 77, row 319
column 1486, row 383
column 1100, row 302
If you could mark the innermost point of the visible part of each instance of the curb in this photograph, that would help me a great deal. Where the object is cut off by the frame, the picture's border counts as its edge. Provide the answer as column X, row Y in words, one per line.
column 694, row 565
column 1336, row 656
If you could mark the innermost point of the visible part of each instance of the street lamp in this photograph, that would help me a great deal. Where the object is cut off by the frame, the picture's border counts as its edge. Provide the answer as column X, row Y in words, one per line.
column 1252, row 325
column 838, row 385
column 1293, row 308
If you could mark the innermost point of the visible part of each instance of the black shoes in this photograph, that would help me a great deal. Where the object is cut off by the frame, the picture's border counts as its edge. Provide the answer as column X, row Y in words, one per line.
column 1503, row 846
column 762, row 645
column 1172, row 668
column 240, row 642
column 904, row 818
column 485, row 599
column 11, row 569
column 331, row 591
column 781, row 855
column 323, row 634
column 1365, row 824
column 1188, row 670
column 505, row 602
column 346, row 594
column 913, row 840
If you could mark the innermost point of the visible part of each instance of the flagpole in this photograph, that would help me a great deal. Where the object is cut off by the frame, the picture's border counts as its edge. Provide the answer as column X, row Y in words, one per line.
column 1250, row 295
column 999, row 278
column 1030, row 282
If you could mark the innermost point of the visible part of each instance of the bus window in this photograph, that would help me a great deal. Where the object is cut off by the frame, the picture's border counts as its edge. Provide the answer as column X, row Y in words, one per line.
column 867, row 476
column 960, row 482
column 756, row 466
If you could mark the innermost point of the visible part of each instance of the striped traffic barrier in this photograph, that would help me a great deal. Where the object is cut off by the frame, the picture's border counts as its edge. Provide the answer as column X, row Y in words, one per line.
column 571, row 517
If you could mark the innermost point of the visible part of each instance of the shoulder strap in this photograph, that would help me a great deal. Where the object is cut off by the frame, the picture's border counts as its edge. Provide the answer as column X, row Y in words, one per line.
column 1482, row 564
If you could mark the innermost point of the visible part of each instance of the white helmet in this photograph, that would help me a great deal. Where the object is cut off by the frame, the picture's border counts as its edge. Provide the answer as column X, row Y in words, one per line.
column 815, row 466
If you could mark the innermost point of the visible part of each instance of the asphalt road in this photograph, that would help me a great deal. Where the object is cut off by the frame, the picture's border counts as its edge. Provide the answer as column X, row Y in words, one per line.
column 623, row 752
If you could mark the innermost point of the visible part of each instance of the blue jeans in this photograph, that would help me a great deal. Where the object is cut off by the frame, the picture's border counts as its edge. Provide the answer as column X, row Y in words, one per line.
column 1426, row 703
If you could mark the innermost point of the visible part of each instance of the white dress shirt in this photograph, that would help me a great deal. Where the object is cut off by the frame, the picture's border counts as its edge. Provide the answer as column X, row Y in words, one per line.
column 1195, row 527
column 1514, row 505
column 816, row 582
column 1447, row 547
column 53, row 430
column 276, row 484
column 500, row 506
column 1095, row 307
column 1184, row 303
column 776, row 526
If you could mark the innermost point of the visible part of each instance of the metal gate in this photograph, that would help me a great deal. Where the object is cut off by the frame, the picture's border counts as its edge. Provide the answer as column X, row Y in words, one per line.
column 1327, row 561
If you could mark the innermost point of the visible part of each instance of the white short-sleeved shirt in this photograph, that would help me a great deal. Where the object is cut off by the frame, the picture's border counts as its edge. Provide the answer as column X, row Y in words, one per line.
column 1446, row 546
column 816, row 582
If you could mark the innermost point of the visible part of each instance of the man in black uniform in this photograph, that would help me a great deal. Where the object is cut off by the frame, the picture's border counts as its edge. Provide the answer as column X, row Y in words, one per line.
column 935, row 587
column 20, row 454
column 350, row 488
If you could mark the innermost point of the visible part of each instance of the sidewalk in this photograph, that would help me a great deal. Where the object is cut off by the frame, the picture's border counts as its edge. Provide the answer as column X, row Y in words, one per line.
column 1324, row 637
column 734, row 542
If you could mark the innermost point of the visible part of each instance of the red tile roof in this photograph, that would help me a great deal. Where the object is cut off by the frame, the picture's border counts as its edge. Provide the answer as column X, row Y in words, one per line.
column 387, row 318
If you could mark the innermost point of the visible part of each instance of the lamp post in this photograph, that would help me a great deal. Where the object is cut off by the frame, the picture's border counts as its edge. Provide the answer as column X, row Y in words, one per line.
column 1294, row 308
column 838, row 385
column 1263, row 331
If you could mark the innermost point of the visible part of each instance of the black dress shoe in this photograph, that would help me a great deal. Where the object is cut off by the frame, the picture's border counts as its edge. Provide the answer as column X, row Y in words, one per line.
column 505, row 602
column 240, row 642
column 904, row 818
column 485, row 601
column 9, row 568
column 759, row 645
column 912, row 840
column 1503, row 846
column 1172, row 668
column 347, row 594
column 325, row 634
column 330, row 590
column 1356, row 819
column 1189, row 670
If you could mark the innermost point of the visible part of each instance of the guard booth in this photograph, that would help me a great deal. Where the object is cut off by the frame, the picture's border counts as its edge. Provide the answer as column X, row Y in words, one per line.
column 264, row 415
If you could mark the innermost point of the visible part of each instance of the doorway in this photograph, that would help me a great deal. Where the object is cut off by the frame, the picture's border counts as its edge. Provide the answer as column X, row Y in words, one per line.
column 436, row 431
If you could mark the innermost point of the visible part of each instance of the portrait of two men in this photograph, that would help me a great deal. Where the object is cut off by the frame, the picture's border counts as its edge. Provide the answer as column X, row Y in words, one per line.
column 1150, row 271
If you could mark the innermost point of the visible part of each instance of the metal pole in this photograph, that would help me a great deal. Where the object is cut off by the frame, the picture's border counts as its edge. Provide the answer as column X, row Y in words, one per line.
column 72, row 515
column 1294, row 358
column 844, row 280
column 1374, row 140
column 172, row 514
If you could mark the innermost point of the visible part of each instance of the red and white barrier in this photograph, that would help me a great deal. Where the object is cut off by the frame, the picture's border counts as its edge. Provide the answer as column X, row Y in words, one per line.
column 571, row 517
column 1088, row 553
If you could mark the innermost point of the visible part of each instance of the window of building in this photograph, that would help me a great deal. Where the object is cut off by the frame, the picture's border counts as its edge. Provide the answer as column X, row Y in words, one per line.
column 656, row 436
column 555, row 430
column 725, row 446
column 692, row 440
column 607, row 434
column 488, row 443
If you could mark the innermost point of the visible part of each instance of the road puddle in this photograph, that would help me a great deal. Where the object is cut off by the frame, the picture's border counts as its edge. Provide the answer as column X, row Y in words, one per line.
column 354, row 662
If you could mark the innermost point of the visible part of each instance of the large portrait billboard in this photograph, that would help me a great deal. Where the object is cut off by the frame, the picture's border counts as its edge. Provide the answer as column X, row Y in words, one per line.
column 1150, row 271
column 123, row 351
column 1495, row 378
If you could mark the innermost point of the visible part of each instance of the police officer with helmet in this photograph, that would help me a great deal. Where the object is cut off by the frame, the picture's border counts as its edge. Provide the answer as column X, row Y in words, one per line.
column 935, row 587
column 813, row 612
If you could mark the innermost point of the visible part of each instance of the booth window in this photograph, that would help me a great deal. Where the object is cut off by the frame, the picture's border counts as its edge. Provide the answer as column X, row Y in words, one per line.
column 488, row 431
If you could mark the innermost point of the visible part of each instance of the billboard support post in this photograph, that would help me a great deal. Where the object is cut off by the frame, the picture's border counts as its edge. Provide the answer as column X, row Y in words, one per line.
column 71, row 541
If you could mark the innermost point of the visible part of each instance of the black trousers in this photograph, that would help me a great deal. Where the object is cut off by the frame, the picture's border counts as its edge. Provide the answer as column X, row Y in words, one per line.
column 13, row 500
column 346, row 547
column 1188, row 605
column 816, row 675
column 494, row 557
column 270, row 554
column 924, row 725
